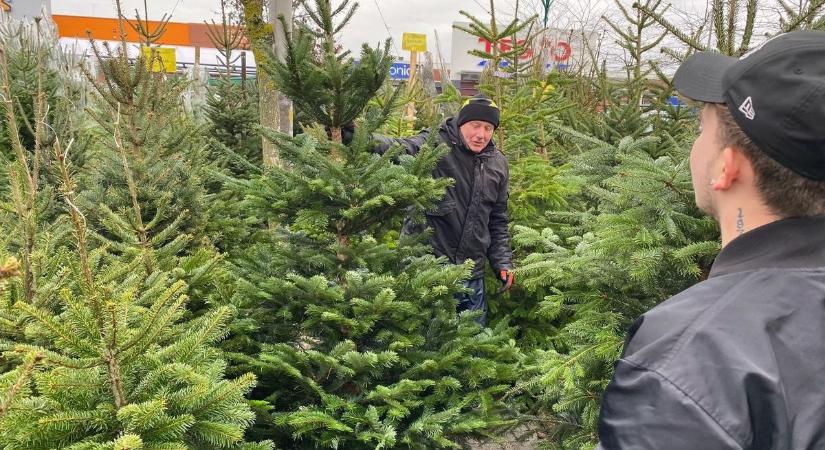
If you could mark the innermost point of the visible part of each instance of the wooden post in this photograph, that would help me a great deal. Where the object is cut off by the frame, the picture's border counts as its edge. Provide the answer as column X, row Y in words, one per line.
column 411, row 84
column 243, row 68
column 197, row 68
column 414, row 43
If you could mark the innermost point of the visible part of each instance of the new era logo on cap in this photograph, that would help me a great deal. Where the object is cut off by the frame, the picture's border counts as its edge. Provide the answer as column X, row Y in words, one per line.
column 786, row 75
column 747, row 108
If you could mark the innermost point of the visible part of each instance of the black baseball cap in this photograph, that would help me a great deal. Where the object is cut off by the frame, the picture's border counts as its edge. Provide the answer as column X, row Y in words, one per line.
column 776, row 94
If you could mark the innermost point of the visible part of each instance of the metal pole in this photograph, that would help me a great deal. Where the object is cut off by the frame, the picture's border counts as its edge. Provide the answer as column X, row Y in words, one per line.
column 547, row 4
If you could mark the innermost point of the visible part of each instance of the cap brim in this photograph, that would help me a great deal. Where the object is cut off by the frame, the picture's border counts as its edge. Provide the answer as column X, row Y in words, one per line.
column 700, row 76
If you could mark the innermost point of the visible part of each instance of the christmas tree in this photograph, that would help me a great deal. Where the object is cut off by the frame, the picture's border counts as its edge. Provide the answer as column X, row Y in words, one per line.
column 326, row 84
column 97, row 351
column 629, row 237
column 235, row 146
column 232, row 103
column 143, row 187
column 353, row 330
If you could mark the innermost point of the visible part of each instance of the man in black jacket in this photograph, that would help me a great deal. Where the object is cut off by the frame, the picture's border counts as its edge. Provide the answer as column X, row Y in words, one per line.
column 471, row 220
column 737, row 361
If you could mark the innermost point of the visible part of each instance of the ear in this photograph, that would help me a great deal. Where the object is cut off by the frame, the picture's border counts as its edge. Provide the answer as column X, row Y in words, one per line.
column 733, row 161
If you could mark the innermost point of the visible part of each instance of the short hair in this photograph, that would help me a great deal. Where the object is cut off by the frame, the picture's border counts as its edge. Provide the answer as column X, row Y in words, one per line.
column 784, row 192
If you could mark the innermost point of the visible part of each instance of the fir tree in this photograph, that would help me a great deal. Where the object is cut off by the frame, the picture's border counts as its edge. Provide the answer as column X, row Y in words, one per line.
column 99, row 354
column 360, row 343
column 725, row 27
column 37, row 76
column 643, row 241
column 503, row 72
column 118, row 367
column 234, row 143
column 144, row 191
column 353, row 331
column 232, row 107
column 629, row 238
column 325, row 84
column 530, row 101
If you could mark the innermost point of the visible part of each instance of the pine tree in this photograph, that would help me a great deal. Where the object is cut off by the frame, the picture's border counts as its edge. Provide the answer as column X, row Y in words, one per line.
column 353, row 331
column 118, row 367
column 232, row 107
column 97, row 354
column 143, row 187
column 629, row 237
column 325, row 84
column 235, row 146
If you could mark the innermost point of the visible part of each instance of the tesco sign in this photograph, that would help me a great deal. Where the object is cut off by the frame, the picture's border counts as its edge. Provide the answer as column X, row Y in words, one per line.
column 556, row 48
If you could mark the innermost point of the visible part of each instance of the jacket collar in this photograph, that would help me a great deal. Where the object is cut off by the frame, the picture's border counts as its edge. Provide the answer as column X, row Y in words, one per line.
column 797, row 242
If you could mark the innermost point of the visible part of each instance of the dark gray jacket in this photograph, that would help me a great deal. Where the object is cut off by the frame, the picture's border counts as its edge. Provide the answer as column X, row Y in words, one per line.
column 736, row 361
column 471, row 220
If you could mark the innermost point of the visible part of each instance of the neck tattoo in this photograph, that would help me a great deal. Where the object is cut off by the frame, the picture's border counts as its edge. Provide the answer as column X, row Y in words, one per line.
column 740, row 222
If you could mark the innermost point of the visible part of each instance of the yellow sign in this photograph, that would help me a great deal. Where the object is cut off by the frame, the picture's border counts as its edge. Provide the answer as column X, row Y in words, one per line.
column 164, row 60
column 414, row 42
column 5, row 6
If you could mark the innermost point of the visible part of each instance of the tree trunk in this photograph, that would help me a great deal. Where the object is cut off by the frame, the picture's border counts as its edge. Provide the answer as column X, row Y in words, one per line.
column 278, row 8
column 275, row 110
column 268, row 107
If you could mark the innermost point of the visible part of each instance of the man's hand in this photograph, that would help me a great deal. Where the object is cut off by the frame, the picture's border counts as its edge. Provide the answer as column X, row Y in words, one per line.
column 507, row 278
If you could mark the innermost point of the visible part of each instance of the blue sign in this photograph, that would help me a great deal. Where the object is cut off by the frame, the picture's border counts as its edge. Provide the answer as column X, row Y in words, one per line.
column 484, row 63
column 557, row 66
column 399, row 71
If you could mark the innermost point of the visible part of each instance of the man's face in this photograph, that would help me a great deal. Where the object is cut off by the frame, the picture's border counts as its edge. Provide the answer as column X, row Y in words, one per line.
column 477, row 134
column 705, row 160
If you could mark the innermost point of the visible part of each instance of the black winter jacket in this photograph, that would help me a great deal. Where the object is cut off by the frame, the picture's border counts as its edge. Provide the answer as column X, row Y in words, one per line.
column 734, row 362
column 471, row 220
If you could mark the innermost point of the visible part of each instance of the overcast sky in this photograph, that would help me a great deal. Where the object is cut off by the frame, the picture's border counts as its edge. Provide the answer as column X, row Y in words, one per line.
column 373, row 24
column 419, row 16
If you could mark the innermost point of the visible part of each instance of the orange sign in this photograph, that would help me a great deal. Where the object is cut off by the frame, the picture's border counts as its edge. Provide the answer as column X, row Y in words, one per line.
column 102, row 28
column 5, row 6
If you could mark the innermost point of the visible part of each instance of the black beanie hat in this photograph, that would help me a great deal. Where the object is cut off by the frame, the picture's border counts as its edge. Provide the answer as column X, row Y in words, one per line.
column 479, row 107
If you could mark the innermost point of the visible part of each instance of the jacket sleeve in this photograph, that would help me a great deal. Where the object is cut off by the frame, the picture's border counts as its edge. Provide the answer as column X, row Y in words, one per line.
column 500, row 253
column 411, row 145
column 642, row 409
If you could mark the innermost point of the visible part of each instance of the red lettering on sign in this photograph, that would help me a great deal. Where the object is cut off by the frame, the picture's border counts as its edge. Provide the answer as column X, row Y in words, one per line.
column 562, row 51
column 488, row 47
column 528, row 51
column 504, row 45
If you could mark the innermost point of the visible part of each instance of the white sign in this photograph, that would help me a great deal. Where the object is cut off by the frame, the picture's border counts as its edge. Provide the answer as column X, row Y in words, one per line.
column 558, row 50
